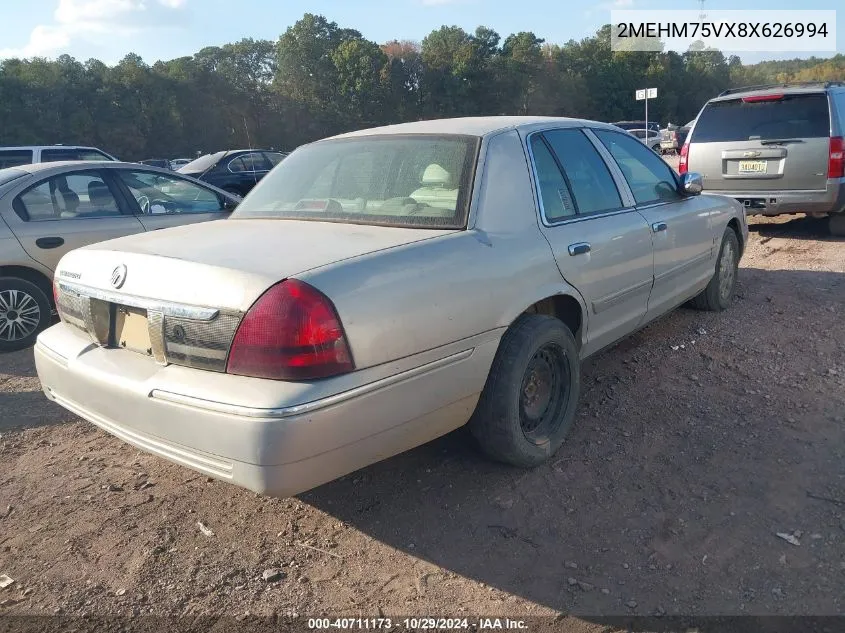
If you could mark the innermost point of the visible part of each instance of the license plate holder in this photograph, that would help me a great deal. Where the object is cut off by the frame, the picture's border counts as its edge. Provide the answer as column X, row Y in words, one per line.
column 131, row 330
column 752, row 167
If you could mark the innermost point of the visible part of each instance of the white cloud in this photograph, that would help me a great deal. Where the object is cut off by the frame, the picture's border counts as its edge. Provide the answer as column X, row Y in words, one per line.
column 92, row 20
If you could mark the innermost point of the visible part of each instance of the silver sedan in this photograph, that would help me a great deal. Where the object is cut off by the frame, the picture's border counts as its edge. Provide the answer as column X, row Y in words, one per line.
column 382, row 288
column 48, row 209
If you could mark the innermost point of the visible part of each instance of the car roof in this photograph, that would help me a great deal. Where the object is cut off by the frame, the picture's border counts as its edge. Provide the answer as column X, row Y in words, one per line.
column 5, row 147
column 34, row 168
column 773, row 89
column 473, row 126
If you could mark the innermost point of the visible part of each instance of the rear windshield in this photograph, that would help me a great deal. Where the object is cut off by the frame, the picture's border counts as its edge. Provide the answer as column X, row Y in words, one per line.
column 15, row 157
column 421, row 181
column 792, row 116
column 202, row 163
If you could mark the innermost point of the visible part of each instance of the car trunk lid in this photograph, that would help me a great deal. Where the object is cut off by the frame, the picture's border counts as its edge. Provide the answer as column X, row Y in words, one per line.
column 768, row 142
column 178, row 295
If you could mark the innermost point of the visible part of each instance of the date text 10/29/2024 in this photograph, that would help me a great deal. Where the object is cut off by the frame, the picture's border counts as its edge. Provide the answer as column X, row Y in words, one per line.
column 417, row 624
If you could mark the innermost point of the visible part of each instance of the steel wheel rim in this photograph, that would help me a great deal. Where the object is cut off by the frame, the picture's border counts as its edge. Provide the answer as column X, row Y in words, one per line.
column 20, row 315
column 544, row 393
column 727, row 271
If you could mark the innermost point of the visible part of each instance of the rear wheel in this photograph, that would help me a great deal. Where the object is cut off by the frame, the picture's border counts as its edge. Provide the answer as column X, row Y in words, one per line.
column 528, row 404
column 719, row 292
column 24, row 312
column 836, row 224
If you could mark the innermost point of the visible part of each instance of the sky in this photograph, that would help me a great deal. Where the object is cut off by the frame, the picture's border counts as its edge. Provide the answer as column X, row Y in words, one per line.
column 166, row 29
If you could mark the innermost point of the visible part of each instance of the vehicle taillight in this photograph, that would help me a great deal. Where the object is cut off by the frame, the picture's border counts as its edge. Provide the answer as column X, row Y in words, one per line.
column 674, row 137
column 682, row 164
column 758, row 98
column 836, row 162
column 291, row 333
column 56, row 295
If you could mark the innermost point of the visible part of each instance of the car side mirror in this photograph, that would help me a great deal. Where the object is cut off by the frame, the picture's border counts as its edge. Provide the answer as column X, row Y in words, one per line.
column 691, row 184
column 229, row 204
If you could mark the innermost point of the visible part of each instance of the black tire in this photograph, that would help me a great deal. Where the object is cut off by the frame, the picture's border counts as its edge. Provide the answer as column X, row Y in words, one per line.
column 535, row 354
column 719, row 292
column 30, row 311
column 836, row 224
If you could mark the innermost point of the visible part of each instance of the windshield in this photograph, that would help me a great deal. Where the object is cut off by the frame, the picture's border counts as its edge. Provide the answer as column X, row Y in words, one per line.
column 202, row 163
column 789, row 116
column 421, row 181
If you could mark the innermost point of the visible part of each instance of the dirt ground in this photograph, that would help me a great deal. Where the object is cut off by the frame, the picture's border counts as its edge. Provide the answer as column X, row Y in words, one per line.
column 699, row 439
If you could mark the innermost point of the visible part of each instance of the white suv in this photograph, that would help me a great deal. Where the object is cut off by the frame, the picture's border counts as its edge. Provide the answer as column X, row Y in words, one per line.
column 29, row 154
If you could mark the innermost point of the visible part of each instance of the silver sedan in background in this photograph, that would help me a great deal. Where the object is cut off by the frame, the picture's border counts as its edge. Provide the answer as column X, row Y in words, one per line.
column 382, row 288
column 48, row 209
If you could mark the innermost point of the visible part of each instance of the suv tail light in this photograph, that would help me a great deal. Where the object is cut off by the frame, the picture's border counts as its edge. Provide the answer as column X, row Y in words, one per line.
column 291, row 333
column 758, row 98
column 836, row 162
column 682, row 163
column 55, row 294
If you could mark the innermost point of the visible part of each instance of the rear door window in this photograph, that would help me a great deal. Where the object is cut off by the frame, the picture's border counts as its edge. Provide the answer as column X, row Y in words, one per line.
column 274, row 157
column 585, row 170
column 787, row 116
column 68, row 196
column 15, row 157
column 252, row 162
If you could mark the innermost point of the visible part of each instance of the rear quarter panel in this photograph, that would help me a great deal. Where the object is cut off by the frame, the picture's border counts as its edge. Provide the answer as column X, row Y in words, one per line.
column 425, row 295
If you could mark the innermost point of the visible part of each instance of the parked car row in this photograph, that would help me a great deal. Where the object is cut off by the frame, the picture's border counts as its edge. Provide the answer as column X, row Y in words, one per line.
column 298, row 339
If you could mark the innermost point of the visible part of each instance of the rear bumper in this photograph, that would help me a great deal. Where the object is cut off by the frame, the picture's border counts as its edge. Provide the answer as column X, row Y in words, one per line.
column 278, row 450
column 774, row 202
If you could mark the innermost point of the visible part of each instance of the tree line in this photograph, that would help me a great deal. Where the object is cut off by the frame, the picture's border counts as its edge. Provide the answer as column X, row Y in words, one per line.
column 320, row 79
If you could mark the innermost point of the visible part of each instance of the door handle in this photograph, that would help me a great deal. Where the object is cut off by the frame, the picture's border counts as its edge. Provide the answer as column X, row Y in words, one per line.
column 579, row 249
column 49, row 242
column 657, row 227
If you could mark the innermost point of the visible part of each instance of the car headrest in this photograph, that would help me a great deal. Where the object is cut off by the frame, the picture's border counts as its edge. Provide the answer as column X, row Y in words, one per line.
column 98, row 193
column 435, row 176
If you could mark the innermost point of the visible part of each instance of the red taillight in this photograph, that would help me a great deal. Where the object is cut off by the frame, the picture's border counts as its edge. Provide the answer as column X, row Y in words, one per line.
column 836, row 162
column 291, row 333
column 682, row 164
column 55, row 294
column 756, row 98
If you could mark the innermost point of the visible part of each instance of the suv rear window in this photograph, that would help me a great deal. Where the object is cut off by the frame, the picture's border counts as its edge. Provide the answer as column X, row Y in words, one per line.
column 15, row 157
column 792, row 116
column 55, row 155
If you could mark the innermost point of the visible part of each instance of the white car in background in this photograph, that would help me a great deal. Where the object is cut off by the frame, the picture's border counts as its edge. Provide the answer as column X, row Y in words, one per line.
column 649, row 138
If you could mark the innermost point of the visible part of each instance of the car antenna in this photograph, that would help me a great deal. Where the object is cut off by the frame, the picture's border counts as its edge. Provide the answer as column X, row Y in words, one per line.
column 246, row 127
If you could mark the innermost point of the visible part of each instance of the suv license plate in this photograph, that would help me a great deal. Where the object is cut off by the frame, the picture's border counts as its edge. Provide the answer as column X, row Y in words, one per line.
column 752, row 166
